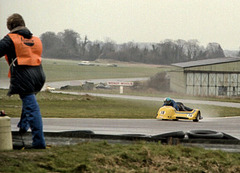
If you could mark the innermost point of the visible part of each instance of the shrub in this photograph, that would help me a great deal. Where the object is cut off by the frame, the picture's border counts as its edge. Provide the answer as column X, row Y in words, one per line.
column 160, row 82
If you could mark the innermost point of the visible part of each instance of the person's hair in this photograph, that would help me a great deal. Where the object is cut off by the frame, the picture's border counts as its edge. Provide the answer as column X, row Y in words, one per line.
column 14, row 21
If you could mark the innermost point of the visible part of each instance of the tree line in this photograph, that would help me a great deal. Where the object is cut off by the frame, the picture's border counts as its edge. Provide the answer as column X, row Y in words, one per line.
column 70, row 45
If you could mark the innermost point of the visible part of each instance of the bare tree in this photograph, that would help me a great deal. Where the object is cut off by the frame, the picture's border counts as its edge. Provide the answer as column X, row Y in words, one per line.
column 70, row 39
column 68, row 44
column 83, row 46
column 214, row 50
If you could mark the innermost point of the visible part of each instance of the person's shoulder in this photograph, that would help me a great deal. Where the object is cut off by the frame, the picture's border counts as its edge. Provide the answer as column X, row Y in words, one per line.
column 6, row 40
column 25, row 32
column 6, row 37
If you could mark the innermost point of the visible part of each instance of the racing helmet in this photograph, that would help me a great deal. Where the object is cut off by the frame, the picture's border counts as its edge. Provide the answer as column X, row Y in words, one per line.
column 167, row 100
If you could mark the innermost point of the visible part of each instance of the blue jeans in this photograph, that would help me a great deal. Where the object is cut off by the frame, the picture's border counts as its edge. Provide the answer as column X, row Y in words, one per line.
column 31, row 118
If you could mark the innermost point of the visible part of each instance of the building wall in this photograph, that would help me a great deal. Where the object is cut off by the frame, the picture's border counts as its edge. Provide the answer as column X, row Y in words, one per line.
column 213, row 84
column 209, row 80
column 178, row 80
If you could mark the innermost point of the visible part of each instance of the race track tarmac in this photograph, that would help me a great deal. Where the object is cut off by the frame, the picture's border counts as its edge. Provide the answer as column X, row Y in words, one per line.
column 228, row 125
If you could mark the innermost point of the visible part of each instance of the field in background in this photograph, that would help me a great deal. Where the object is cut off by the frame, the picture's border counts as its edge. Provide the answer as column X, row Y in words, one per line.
column 3, row 68
column 63, row 70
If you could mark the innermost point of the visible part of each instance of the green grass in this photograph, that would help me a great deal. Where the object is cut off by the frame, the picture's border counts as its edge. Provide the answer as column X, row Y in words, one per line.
column 62, row 70
column 104, row 157
column 86, row 106
column 72, row 71
column 70, row 106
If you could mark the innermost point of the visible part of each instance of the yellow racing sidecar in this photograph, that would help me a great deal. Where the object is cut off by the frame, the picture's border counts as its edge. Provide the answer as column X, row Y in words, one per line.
column 170, row 113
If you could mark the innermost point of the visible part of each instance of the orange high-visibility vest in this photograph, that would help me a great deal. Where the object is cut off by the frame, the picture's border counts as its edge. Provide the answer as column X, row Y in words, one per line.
column 28, row 51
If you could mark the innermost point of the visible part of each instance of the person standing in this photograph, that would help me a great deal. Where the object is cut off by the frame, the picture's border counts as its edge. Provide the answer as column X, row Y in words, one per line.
column 23, row 53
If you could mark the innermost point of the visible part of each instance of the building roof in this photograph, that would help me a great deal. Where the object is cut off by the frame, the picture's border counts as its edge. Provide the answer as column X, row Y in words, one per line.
column 206, row 62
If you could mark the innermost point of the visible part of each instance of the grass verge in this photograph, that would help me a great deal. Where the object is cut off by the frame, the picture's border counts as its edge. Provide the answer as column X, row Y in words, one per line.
column 105, row 157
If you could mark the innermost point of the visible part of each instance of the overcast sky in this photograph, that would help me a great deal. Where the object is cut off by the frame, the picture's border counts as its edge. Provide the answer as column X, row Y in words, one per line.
column 132, row 20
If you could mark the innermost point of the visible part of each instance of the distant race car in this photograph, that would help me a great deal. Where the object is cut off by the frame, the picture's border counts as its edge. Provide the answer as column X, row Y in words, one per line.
column 48, row 88
column 103, row 86
column 170, row 113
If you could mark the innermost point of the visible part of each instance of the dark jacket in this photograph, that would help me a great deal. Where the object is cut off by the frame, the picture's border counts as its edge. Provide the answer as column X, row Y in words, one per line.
column 173, row 104
column 24, row 79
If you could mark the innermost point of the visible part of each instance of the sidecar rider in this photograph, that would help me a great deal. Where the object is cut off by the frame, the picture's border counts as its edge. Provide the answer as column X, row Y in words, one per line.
column 177, row 105
column 170, row 102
